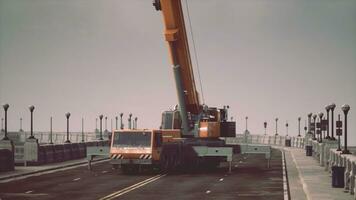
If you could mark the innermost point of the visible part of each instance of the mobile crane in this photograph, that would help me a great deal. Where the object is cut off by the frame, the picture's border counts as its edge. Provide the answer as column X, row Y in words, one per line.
column 190, row 134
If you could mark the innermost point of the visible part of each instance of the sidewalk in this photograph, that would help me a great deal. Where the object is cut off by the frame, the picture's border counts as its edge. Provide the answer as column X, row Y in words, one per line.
column 21, row 172
column 307, row 180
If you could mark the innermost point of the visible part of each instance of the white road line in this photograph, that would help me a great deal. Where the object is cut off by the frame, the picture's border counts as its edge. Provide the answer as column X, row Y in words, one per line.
column 104, row 172
column 76, row 179
column 221, row 179
column 132, row 187
column 285, row 187
column 208, row 191
column 28, row 192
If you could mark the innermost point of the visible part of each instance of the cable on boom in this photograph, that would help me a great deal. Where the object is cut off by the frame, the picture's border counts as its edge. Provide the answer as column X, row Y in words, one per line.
column 195, row 51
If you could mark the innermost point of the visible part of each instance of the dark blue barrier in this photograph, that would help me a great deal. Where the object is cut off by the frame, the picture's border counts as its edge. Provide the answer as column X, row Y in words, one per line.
column 6, row 160
column 82, row 150
column 58, row 152
column 75, row 151
column 41, row 159
column 67, row 151
column 49, row 153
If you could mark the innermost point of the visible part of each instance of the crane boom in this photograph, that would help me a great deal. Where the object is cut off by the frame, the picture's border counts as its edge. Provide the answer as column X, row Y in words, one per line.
column 176, row 36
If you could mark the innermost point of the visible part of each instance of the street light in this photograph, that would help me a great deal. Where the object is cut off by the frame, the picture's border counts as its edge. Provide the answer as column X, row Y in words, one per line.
column 67, row 116
column 332, row 107
column 246, row 118
column 6, row 107
column 276, row 126
column 345, row 108
column 309, row 122
column 287, row 127
column 135, row 122
column 314, row 121
column 121, row 124
column 32, row 108
column 51, row 131
column 116, row 122
column 21, row 130
column 321, row 127
column 327, row 108
column 265, row 126
column 82, row 129
column 130, row 116
column 299, row 118
column 101, row 127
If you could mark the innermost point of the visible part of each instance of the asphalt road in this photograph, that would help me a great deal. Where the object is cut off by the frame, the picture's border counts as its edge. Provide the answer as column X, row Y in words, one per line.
column 250, row 179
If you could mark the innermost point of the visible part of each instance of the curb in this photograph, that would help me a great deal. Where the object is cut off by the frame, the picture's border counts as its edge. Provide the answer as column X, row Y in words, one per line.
column 50, row 169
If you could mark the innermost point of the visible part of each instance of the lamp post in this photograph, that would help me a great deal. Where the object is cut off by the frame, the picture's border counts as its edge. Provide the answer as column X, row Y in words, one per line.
column 121, row 124
column 101, row 127
column 276, row 126
column 116, row 122
column 51, row 131
column 21, row 130
column 135, row 122
column 130, row 116
column 67, row 116
column 309, row 122
column 246, row 118
column 332, row 107
column 6, row 107
column 32, row 108
column 265, row 126
column 327, row 108
column 299, row 118
column 345, row 108
column 314, row 121
column 287, row 127
column 338, row 132
column 82, row 129
column 106, row 123
column 305, row 127
column 320, row 127
column 96, row 124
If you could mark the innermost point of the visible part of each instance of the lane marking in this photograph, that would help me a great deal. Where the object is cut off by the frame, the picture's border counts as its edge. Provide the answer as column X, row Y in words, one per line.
column 104, row 172
column 285, row 184
column 76, row 179
column 28, row 192
column 208, row 191
column 221, row 179
column 132, row 187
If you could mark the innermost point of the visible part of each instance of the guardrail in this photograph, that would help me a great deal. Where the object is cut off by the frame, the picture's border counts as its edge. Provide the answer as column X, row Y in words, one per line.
column 325, row 153
column 57, row 137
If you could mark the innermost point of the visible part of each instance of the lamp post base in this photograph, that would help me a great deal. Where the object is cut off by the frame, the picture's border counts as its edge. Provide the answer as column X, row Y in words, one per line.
column 345, row 151
column 67, row 141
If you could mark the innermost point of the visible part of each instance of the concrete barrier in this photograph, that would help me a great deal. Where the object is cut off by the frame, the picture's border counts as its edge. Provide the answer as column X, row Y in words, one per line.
column 58, row 152
column 49, row 153
column 67, row 151
column 7, row 162
column 75, row 151
column 82, row 150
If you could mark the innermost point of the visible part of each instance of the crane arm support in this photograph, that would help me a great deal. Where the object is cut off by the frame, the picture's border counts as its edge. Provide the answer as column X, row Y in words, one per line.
column 175, row 35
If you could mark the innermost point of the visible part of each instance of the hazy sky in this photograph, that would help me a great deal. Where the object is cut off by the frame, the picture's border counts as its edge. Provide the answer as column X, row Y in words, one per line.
column 264, row 58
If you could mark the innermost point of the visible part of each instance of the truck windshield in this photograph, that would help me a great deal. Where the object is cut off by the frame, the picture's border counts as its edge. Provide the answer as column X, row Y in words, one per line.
column 132, row 139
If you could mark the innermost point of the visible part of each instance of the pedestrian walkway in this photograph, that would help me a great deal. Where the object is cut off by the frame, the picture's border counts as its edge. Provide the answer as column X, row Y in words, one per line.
column 21, row 172
column 308, row 180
